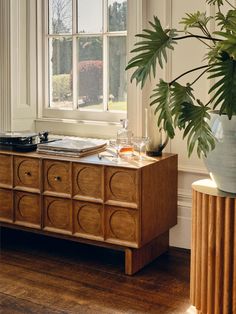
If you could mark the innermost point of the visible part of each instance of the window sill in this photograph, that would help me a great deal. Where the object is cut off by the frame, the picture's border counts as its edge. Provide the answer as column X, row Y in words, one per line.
column 96, row 129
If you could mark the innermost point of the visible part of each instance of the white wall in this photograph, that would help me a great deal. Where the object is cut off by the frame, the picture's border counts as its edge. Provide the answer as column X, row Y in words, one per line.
column 23, row 64
column 186, row 56
column 5, row 100
column 18, row 66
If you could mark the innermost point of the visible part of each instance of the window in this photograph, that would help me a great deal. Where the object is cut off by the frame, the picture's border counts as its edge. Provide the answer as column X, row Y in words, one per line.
column 85, row 58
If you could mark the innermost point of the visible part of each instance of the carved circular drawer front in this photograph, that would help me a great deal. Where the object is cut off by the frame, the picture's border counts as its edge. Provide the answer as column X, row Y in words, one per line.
column 88, row 218
column 121, row 185
column 57, row 214
column 27, row 208
column 26, row 172
column 6, row 170
column 6, row 205
column 88, row 180
column 57, row 176
column 122, row 225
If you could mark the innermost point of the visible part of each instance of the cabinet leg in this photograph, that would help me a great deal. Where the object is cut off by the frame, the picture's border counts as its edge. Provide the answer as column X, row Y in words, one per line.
column 136, row 259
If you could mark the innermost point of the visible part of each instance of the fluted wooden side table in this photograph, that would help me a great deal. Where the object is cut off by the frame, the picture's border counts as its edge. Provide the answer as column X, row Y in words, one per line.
column 213, row 256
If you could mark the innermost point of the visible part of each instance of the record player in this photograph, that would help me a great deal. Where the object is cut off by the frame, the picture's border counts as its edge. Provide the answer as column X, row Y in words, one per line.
column 22, row 141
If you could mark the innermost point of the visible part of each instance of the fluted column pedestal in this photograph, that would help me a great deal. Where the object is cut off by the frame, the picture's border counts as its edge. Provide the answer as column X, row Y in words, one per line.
column 213, row 256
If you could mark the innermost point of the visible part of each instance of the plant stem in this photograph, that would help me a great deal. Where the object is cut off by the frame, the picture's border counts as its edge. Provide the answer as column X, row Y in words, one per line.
column 232, row 6
column 197, row 36
column 199, row 76
column 208, row 103
column 202, row 41
column 189, row 71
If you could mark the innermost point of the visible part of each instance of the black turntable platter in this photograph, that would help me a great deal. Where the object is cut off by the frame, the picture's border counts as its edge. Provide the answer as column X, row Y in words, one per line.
column 22, row 141
column 16, row 135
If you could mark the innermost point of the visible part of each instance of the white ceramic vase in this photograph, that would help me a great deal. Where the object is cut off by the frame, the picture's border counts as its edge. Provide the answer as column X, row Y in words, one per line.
column 221, row 162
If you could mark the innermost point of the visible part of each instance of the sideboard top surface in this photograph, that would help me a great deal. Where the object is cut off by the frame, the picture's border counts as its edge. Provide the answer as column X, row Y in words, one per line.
column 126, row 162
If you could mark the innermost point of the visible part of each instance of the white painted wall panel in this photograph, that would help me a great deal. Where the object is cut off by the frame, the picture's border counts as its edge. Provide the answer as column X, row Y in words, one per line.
column 187, row 55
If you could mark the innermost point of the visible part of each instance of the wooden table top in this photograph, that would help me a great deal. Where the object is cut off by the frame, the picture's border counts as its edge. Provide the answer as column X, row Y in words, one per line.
column 103, row 158
column 209, row 187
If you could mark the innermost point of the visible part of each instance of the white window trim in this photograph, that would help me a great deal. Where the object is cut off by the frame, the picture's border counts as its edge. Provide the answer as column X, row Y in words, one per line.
column 95, row 126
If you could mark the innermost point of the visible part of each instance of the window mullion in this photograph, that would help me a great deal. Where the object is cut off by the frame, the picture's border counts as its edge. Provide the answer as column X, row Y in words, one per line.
column 47, row 88
column 105, row 56
column 105, row 73
column 74, row 55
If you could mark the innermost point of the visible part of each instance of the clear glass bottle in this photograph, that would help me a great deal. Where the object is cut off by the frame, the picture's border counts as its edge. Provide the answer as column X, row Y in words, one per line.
column 124, row 138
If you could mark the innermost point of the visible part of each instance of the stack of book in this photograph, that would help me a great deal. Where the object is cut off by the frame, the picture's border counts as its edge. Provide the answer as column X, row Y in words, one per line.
column 73, row 147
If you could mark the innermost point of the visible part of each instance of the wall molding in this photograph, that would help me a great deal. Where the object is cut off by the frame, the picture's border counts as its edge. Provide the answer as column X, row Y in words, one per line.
column 18, row 65
column 192, row 169
column 5, row 65
column 23, row 60
column 185, row 198
column 180, row 235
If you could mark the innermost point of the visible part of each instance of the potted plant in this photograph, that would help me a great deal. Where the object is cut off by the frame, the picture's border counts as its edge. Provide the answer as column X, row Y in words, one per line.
column 176, row 105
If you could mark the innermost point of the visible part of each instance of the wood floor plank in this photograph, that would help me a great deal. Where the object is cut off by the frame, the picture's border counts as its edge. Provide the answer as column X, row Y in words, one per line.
column 12, row 305
column 80, row 279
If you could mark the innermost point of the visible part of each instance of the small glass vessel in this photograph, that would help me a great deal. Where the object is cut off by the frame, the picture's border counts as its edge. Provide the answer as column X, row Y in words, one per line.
column 115, row 145
column 141, row 143
column 124, row 138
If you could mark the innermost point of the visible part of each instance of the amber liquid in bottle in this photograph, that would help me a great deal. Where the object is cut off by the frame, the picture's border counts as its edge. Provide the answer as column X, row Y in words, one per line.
column 126, row 150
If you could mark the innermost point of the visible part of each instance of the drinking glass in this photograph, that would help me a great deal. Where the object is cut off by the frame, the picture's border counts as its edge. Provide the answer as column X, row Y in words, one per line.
column 141, row 142
column 114, row 144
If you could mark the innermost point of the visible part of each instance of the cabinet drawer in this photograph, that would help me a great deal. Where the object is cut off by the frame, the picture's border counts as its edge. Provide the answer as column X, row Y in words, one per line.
column 27, row 209
column 122, row 226
column 6, row 205
column 88, row 182
column 88, row 220
column 57, row 177
column 122, row 187
column 57, row 215
column 6, row 171
column 26, row 173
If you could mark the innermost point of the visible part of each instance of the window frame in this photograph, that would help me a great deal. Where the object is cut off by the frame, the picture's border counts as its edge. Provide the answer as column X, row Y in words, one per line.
column 75, row 113
column 49, row 117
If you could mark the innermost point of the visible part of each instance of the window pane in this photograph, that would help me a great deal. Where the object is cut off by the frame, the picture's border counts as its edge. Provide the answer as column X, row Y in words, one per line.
column 90, row 16
column 60, row 73
column 90, row 73
column 117, row 74
column 117, row 15
column 60, row 16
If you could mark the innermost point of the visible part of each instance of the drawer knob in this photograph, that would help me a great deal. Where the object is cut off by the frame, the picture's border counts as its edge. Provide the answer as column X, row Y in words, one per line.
column 57, row 178
column 28, row 173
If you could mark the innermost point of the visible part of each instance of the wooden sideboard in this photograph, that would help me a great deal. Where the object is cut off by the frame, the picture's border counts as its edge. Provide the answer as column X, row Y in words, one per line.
column 129, row 206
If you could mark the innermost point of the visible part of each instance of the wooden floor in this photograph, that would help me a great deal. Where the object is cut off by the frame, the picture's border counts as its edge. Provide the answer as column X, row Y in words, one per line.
column 45, row 275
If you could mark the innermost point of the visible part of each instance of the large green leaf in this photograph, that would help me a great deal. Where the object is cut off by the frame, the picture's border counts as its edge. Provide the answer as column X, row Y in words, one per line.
column 218, row 2
column 214, row 54
column 195, row 20
column 150, row 50
column 162, row 100
column 168, row 100
column 225, row 88
column 179, row 95
column 228, row 21
column 229, row 43
column 177, row 102
column 197, row 130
